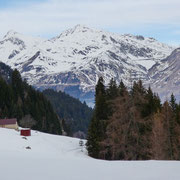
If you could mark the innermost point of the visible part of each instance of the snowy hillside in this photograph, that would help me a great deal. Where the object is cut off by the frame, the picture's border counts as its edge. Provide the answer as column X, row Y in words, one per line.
column 57, row 157
column 165, row 76
column 74, row 60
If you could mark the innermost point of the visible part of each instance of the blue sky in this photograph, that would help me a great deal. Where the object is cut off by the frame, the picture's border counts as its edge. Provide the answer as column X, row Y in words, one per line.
column 47, row 18
column 12, row 3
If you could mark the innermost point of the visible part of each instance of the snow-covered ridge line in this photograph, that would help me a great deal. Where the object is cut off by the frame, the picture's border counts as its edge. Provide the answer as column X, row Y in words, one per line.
column 80, row 55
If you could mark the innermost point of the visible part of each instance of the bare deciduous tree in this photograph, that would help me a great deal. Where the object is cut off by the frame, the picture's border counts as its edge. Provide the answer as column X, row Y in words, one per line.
column 27, row 121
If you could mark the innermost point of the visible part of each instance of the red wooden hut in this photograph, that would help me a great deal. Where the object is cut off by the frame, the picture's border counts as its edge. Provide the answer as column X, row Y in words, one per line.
column 25, row 132
column 9, row 123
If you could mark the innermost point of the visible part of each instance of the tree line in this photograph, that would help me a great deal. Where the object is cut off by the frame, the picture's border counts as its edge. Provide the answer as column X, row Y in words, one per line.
column 74, row 114
column 30, row 107
column 133, row 124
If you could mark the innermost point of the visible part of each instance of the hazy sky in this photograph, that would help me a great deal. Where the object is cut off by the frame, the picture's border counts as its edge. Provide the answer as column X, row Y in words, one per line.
column 47, row 18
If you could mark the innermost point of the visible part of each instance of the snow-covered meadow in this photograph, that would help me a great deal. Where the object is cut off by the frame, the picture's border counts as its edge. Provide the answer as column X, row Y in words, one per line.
column 54, row 157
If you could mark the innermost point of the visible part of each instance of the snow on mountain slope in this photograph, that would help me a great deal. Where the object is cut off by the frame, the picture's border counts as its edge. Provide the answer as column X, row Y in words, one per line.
column 14, row 45
column 74, row 60
column 165, row 76
column 58, row 157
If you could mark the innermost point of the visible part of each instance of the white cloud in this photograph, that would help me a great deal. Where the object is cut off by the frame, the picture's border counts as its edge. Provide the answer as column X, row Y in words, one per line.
column 53, row 16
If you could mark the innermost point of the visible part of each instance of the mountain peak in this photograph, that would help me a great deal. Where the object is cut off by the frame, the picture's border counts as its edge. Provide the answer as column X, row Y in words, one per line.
column 80, row 27
column 11, row 33
column 78, row 56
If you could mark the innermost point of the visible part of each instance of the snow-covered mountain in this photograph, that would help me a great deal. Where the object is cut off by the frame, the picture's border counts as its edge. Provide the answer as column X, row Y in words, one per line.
column 44, row 157
column 74, row 60
column 165, row 76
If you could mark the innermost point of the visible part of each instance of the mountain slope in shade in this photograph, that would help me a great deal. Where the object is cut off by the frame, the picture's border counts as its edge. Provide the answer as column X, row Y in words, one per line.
column 5, row 72
column 74, row 60
column 165, row 76
column 75, row 114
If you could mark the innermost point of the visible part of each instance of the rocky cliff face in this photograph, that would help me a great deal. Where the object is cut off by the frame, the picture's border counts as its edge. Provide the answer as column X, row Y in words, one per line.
column 74, row 60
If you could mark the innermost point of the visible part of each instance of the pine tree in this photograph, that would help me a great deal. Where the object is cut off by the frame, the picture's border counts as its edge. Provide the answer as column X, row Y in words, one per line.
column 122, row 89
column 178, row 114
column 173, row 103
column 168, row 113
column 157, row 102
column 138, row 89
column 98, row 123
column 151, row 104
column 17, row 85
column 93, row 139
column 100, row 101
column 112, row 91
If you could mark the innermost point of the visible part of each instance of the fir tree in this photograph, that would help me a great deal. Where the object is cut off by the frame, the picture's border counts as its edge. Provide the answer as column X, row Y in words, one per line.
column 151, row 104
column 122, row 89
column 173, row 103
column 112, row 91
column 98, row 124
column 17, row 86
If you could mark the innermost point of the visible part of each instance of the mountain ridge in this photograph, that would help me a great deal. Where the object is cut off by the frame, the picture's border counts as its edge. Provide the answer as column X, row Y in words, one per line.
column 74, row 60
column 165, row 76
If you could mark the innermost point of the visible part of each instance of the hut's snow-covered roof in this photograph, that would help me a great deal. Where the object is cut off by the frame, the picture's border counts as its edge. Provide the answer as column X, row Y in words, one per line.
column 8, row 121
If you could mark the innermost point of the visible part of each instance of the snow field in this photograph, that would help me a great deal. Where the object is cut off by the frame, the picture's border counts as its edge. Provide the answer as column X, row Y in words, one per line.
column 54, row 157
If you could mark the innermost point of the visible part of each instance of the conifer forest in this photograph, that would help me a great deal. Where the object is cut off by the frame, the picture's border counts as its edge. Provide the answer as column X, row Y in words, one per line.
column 133, row 124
